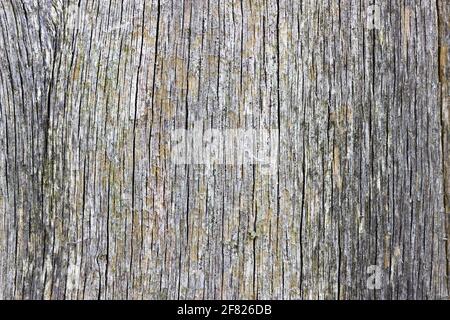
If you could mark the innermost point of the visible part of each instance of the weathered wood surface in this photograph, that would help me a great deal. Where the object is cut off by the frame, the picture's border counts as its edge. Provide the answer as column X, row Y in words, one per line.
column 92, row 206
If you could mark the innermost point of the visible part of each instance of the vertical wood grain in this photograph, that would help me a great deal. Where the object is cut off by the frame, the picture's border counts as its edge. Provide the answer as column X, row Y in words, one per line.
column 92, row 205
